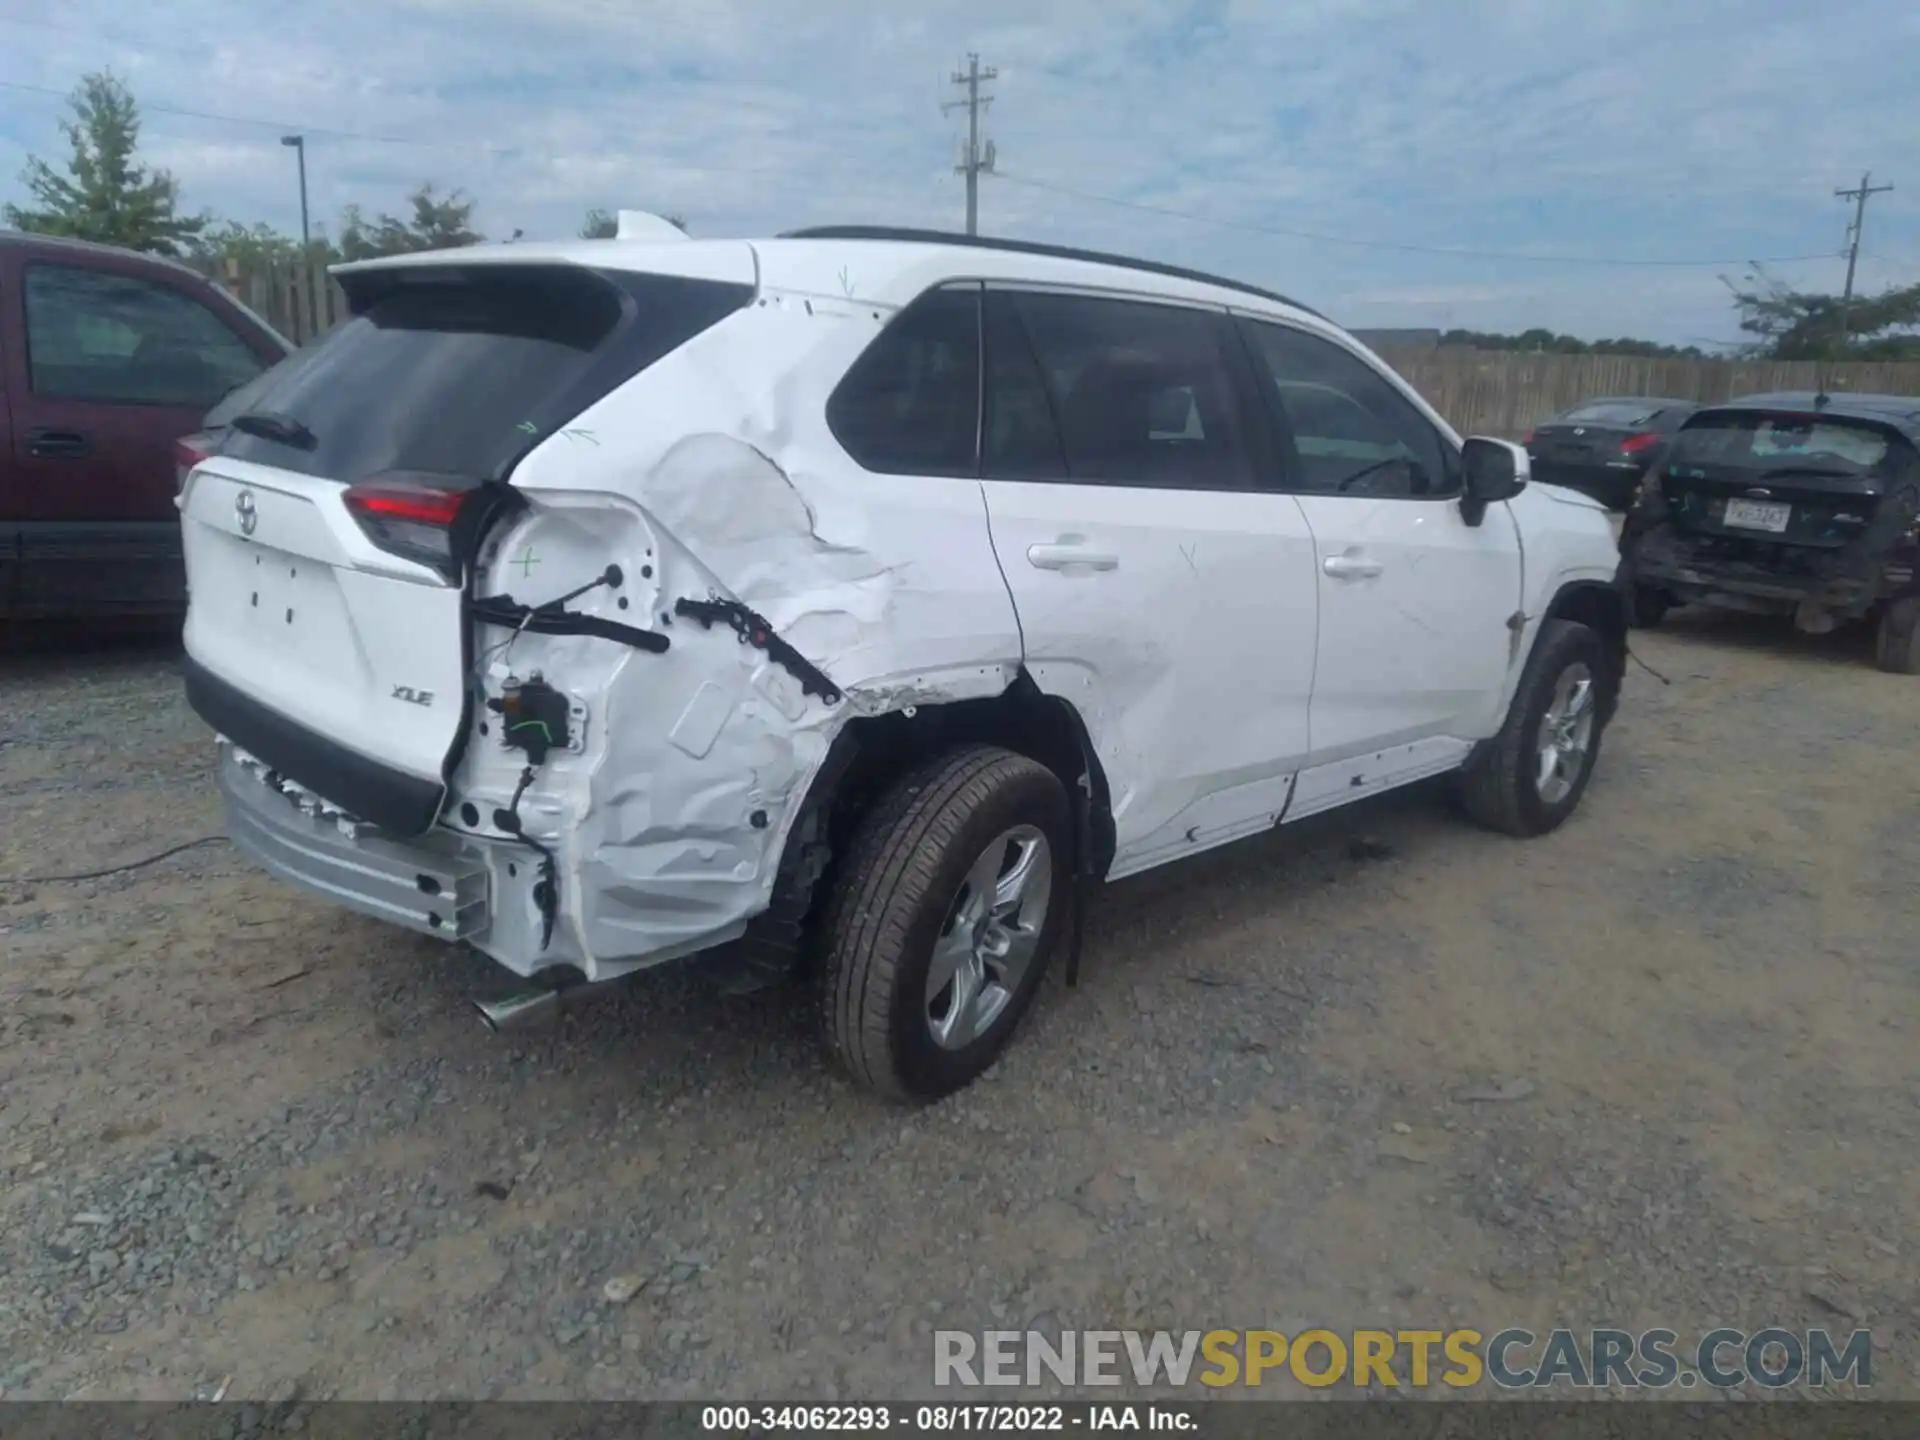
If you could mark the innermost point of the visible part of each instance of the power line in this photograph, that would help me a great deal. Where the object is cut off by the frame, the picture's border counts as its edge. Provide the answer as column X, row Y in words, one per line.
column 497, row 151
column 1358, row 243
column 283, row 126
column 145, row 47
column 975, row 162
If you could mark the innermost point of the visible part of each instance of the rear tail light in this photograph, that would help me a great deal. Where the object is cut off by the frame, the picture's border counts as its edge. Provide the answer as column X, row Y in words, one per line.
column 187, row 453
column 1529, row 439
column 1638, row 444
column 417, row 520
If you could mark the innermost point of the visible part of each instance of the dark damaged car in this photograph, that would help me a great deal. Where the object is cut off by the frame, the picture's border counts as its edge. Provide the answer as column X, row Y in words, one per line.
column 1606, row 447
column 1797, row 505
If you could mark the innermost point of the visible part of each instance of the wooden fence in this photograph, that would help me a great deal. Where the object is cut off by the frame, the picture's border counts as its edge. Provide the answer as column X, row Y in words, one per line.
column 1482, row 392
column 299, row 300
column 1489, row 392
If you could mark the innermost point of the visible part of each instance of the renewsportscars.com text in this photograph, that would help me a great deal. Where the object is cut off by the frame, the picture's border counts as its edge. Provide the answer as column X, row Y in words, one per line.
column 1770, row 1359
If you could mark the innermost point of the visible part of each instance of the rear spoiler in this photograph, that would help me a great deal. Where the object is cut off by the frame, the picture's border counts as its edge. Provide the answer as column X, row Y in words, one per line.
column 644, row 225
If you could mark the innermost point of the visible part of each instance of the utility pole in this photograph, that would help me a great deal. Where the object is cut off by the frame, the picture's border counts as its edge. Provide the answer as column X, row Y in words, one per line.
column 1859, row 197
column 975, row 162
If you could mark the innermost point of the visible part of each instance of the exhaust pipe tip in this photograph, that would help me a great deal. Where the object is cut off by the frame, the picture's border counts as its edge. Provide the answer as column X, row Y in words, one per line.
column 518, row 1010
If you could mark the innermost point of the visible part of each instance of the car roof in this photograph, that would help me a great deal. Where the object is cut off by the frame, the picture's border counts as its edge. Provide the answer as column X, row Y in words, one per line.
column 1651, row 402
column 59, row 244
column 867, row 265
column 1900, row 411
column 1000, row 245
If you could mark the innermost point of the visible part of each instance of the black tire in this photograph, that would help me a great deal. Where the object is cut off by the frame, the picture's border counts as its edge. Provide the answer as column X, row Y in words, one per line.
column 904, row 874
column 1650, row 606
column 1896, row 641
column 1499, row 788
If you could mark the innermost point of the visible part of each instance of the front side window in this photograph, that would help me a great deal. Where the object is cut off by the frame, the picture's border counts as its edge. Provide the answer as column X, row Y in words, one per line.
column 1142, row 394
column 119, row 339
column 911, row 403
column 1353, row 432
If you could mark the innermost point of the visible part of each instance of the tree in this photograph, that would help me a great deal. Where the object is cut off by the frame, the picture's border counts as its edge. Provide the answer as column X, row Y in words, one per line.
column 105, row 195
column 1547, row 342
column 604, row 224
column 255, row 246
column 1792, row 324
column 438, row 224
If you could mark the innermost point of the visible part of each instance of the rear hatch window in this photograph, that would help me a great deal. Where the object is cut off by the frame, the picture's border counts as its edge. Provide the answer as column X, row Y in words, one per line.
column 1754, row 475
column 459, row 370
column 1769, row 442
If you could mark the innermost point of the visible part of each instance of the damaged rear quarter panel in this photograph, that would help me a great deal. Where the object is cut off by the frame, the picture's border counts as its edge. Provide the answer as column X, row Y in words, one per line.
column 717, row 460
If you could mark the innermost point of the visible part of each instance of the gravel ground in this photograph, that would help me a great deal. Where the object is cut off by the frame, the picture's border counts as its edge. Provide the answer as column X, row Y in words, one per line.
column 1658, row 1069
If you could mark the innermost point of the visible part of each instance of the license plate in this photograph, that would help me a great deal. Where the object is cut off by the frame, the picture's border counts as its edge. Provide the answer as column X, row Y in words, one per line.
column 1758, row 515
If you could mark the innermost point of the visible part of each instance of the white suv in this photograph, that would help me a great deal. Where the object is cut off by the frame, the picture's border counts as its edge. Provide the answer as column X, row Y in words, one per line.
column 852, row 603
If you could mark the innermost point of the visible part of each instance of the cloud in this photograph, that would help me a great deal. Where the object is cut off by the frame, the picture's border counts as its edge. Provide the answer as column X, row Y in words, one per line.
column 1618, row 129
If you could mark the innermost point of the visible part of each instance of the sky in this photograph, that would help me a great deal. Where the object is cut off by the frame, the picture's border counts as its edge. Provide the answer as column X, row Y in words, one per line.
column 1482, row 164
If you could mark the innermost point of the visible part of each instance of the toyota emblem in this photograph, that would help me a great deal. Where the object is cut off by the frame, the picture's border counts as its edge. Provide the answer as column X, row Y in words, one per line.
column 245, row 512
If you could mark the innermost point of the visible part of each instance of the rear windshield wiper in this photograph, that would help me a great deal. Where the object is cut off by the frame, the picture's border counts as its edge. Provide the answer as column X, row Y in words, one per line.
column 271, row 425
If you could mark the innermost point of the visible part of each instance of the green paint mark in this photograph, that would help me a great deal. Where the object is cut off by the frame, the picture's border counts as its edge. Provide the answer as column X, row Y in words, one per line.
column 586, row 435
column 527, row 427
column 539, row 725
column 526, row 561
column 846, row 282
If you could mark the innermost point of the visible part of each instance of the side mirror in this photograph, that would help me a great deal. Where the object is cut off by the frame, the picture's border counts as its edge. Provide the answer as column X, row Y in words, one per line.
column 1495, row 470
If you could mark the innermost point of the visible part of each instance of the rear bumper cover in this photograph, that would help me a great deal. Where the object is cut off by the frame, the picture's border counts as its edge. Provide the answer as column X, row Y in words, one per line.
column 392, row 800
column 435, row 884
column 1840, row 582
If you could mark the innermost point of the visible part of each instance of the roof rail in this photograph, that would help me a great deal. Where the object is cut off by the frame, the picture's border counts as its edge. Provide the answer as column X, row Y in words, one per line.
column 1033, row 247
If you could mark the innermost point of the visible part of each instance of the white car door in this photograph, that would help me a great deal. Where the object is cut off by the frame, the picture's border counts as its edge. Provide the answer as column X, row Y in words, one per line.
column 1168, row 600
column 1415, row 602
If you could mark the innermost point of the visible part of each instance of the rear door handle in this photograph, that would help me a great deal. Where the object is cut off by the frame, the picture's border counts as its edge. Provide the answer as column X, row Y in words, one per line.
column 1350, row 567
column 1065, row 556
column 58, row 444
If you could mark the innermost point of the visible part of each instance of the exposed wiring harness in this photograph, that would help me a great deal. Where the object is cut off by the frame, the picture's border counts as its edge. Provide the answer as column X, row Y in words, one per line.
column 545, row 893
column 166, row 854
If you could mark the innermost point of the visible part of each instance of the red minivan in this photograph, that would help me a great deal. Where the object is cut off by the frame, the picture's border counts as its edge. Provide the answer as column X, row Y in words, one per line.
column 107, row 358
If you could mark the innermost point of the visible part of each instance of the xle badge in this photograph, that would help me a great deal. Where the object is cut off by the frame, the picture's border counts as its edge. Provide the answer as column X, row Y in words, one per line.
column 412, row 696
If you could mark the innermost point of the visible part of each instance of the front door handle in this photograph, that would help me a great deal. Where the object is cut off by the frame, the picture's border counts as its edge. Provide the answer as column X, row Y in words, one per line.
column 58, row 444
column 1067, row 556
column 1350, row 567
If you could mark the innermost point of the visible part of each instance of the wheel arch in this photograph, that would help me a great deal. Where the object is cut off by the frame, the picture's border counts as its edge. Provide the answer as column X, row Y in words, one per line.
column 871, row 751
column 1603, row 606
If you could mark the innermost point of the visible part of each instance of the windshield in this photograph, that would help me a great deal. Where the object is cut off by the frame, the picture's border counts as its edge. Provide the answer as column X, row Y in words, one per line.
column 1770, row 442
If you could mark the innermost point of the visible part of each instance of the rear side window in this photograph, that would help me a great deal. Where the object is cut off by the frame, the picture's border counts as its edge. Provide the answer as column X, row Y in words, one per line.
column 1022, row 432
column 910, row 405
column 1142, row 394
column 122, row 340
column 460, row 371
column 1774, row 442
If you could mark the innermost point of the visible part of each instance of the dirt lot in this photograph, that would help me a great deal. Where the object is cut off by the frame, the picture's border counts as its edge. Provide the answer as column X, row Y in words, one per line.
column 245, row 1138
